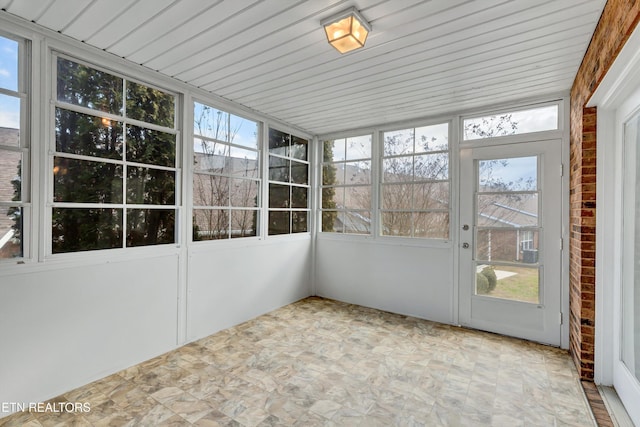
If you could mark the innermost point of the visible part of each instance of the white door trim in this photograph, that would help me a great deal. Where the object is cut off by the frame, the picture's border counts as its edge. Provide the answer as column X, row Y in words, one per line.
column 611, row 98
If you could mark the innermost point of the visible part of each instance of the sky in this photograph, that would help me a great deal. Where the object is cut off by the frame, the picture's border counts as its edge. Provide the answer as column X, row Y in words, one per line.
column 9, row 105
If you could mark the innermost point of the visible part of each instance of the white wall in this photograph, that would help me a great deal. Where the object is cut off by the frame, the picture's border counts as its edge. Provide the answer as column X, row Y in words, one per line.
column 406, row 279
column 63, row 327
column 230, row 284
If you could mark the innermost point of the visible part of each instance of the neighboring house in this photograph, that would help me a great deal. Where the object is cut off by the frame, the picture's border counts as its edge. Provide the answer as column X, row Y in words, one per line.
column 506, row 228
column 8, row 172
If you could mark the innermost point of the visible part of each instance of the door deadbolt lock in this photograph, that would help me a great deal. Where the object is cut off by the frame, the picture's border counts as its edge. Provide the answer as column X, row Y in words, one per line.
column 465, row 245
column 465, row 227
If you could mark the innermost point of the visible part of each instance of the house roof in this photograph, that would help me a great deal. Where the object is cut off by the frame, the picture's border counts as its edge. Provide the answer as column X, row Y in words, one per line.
column 423, row 58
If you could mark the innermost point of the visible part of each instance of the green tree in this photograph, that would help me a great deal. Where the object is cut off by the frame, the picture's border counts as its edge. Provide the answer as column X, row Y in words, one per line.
column 101, row 182
column 329, row 216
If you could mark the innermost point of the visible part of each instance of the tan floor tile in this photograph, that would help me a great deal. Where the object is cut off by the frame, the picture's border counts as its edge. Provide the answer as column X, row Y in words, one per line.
column 321, row 363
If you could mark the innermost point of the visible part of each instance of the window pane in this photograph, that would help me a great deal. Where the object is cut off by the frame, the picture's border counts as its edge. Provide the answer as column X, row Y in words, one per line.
column 86, row 135
column 333, row 174
column 397, row 196
column 357, row 172
column 333, row 150
column 150, row 105
column 514, row 174
column 359, row 147
column 210, row 122
column 396, row 224
column 210, row 190
column 398, row 142
column 10, row 232
column 506, row 282
column 299, row 148
column 243, row 223
column 9, row 64
column 151, row 147
column 75, row 229
column 211, row 156
column 510, row 245
column 397, row 169
column 279, row 222
column 243, row 163
column 243, row 132
column 432, row 225
column 507, row 210
column 299, row 222
column 431, row 166
column 278, row 142
column 82, row 85
column 357, row 198
column 10, row 176
column 150, row 226
column 512, row 123
column 432, row 138
column 150, row 186
column 210, row 224
column 244, row 193
column 299, row 197
column 332, row 197
column 431, row 195
column 330, row 222
column 356, row 222
column 279, row 196
column 82, row 181
column 299, row 173
column 279, row 169
column 9, row 120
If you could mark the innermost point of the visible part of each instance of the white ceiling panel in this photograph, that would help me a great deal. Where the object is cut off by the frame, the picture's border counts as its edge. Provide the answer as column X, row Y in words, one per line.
column 62, row 13
column 29, row 10
column 423, row 57
column 96, row 17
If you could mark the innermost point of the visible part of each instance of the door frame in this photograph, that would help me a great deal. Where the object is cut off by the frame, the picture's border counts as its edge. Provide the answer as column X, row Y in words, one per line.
column 619, row 85
column 549, row 172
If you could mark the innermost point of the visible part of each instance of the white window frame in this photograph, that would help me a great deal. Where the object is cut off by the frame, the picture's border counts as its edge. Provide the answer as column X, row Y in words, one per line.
column 451, row 181
column 23, row 93
column 259, row 179
column 309, row 208
column 322, row 163
column 53, row 56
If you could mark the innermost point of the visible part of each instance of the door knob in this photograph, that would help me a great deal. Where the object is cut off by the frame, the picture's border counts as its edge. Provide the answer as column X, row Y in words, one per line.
column 465, row 245
column 465, row 227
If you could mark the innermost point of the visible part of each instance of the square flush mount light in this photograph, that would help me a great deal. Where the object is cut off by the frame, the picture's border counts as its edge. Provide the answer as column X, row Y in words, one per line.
column 347, row 30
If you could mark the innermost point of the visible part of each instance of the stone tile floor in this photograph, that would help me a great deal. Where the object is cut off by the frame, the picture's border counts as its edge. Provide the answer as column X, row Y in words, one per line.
column 319, row 362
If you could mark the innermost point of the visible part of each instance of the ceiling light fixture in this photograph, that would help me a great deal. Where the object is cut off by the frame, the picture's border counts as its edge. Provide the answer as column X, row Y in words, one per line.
column 347, row 30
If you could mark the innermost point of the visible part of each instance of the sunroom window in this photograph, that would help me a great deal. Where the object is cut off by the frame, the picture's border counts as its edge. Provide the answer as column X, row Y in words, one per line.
column 226, row 178
column 114, row 165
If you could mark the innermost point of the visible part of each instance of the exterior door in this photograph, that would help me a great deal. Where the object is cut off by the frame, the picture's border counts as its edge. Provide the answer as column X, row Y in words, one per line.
column 510, row 239
column 626, row 366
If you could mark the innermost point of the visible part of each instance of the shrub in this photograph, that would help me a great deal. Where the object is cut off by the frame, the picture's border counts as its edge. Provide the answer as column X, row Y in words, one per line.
column 490, row 274
column 482, row 284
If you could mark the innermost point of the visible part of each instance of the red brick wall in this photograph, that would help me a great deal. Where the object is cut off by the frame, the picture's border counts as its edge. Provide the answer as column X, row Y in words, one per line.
column 617, row 22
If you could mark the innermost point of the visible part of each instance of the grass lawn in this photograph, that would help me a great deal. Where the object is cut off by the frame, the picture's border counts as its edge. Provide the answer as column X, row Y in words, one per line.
column 522, row 286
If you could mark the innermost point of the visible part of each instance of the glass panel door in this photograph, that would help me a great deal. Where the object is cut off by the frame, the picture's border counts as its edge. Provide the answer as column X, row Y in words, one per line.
column 510, row 239
column 507, row 227
column 630, row 326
